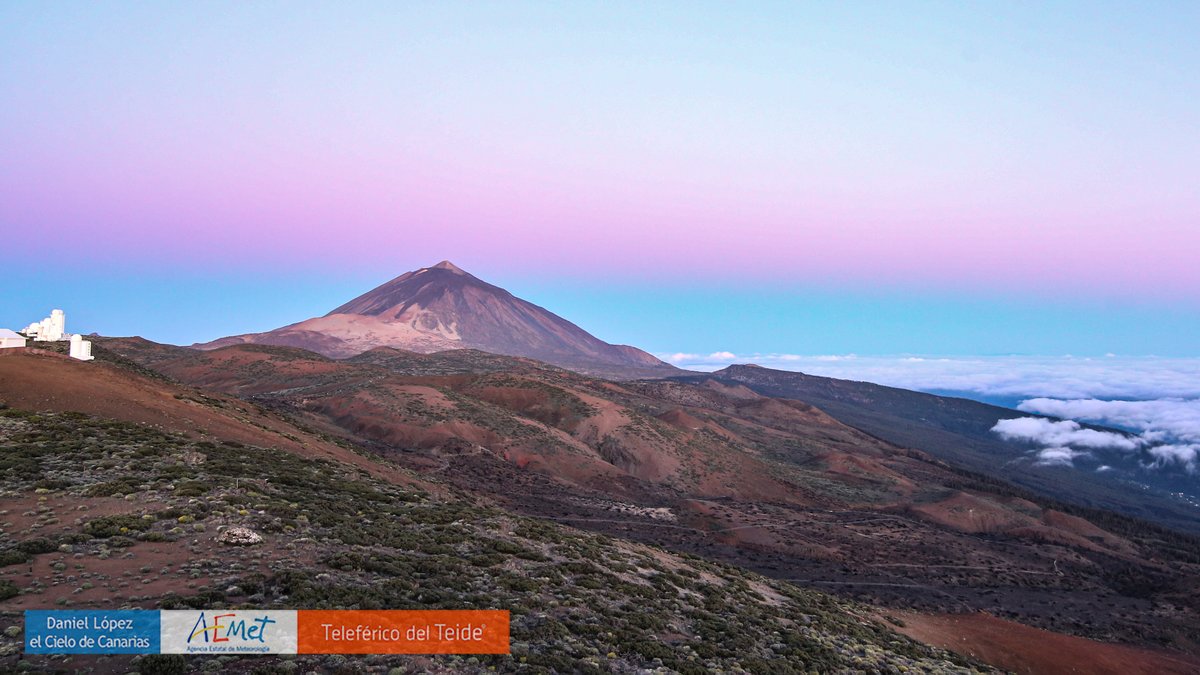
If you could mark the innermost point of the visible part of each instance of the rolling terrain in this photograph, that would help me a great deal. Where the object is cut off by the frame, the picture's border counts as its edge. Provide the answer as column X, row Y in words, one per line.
column 959, row 431
column 895, row 502
column 715, row 469
column 118, row 488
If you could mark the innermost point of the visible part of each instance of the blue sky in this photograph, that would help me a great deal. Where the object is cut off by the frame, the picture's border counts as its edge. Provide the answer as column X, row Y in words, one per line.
column 875, row 177
column 183, row 307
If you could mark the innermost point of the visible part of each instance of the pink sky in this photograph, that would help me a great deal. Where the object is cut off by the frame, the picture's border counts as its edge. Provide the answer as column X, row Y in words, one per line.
column 1011, row 151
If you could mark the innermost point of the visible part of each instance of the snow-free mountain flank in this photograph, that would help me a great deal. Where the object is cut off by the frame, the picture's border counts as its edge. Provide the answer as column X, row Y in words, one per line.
column 444, row 307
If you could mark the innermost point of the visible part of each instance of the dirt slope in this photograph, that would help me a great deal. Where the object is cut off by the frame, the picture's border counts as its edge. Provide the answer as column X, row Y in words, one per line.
column 1030, row 651
column 38, row 380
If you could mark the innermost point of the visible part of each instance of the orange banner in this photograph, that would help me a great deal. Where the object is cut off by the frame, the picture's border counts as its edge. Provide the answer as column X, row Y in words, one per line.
column 403, row 631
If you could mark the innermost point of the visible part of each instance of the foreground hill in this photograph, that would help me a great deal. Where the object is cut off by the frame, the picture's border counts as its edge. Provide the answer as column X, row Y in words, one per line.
column 43, row 379
column 442, row 307
column 716, row 469
column 114, row 509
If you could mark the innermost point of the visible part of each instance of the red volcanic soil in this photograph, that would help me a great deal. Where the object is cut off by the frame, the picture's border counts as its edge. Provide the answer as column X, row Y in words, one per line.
column 680, row 419
column 967, row 512
column 39, row 381
column 866, row 469
column 224, row 369
column 973, row 513
column 1023, row 649
column 1082, row 528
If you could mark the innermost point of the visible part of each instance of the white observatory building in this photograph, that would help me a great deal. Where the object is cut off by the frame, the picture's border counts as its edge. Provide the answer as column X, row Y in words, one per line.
column 81, row 349
column 50, row 329
column 9, row 339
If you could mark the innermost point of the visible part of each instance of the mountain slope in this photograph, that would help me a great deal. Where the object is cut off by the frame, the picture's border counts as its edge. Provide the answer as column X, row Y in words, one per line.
column 958, row 431
column 442, row 307
column 119, row 496
column 715, row 469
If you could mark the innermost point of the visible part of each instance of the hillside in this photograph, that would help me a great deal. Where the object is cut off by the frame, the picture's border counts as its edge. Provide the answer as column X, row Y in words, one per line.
column 959, row 431
column 717, row 470
column 115, row 509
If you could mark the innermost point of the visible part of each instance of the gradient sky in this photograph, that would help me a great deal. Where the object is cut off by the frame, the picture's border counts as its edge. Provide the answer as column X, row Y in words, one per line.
column 936, row 178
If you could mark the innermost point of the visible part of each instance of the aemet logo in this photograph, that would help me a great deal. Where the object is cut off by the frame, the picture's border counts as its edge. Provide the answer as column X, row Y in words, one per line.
column 228, row 632
column 237, row 627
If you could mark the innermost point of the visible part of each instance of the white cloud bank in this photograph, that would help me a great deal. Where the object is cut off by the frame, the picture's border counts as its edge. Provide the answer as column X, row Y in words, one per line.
column 1064, row 439
column 1178, row 418
column 1060, row 377
column 1066, row 433
column 1169, row 427
column 1183, row 456
column 1058, row 456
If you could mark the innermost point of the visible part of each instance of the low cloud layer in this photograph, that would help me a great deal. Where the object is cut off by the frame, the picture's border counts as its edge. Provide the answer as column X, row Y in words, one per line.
column 1182, row 456
column 1058, row 456
column 1064, row 434
column 1174, row 418
column 1066, row 440
column 1169, row 428
column 1059, row 377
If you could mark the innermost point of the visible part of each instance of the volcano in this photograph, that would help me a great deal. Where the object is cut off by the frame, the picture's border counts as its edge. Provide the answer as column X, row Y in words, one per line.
column 443, row 307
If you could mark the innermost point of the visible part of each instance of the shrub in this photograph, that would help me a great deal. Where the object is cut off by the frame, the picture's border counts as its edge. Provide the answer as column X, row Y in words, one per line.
column 13, row 557
column 111, row 526
column 37, row 545
column 163, row 664
column 501, row 546
column 191, row 488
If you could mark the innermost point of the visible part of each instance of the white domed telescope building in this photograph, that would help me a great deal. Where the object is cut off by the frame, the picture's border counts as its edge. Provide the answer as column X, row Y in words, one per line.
column 50, row 329
column 81, row 349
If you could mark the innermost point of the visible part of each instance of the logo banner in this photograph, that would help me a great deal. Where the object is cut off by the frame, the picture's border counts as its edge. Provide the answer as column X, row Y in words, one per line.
column 249, row 631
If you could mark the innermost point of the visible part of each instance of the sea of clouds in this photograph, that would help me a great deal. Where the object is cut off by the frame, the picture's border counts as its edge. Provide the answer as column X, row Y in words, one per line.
column 1168, row 429
column 1156, row 399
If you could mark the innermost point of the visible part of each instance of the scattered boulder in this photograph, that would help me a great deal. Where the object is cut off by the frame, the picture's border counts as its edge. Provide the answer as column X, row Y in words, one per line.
column 239, row 536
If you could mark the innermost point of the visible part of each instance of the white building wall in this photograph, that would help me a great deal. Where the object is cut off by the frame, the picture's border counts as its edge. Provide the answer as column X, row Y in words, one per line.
column 52, row 328
column 81, row 349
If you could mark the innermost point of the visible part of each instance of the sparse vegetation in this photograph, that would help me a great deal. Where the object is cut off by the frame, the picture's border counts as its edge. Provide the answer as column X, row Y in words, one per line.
column 769, row 485
column 334, row 538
